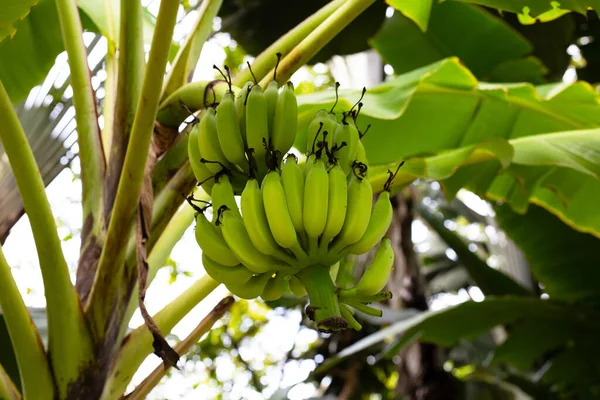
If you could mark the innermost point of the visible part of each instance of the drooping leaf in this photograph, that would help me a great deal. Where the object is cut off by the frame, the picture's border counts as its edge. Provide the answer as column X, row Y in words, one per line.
column 29, row 54
column 563, row 260
column 417, row 11
column 539, row 8
column 12, row 13
column 403, row 45
column 491, row 281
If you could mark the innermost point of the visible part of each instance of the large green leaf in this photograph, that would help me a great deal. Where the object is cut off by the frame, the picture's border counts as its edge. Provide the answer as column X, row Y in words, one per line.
column 418, row 11
column 563, row 260
column 403, row 45
column 29, row 54
column 12, row 12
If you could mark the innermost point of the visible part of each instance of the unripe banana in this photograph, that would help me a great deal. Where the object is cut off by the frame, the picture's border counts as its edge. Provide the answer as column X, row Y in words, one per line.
column 336, row 205
column 252, row 288
column 292, row 177
column 240, row 107
column 271, row 94
column 222, row 195
column 257, row 126
column 285, row 120
column 358, row 213
column 316, row 197
column 361, row 155
column 279, row 218
column 236, row 237
column 274, row 288
column 208, row 142
column 201, row 172
column 348, row 315
column 228, row 128
column 330, row 126
column 346, row 133
column 211, row 242
column 297, row 287
column 379, row 223
column 236, row 275
column 378, row 272
column 315, row 130
column 257, row 225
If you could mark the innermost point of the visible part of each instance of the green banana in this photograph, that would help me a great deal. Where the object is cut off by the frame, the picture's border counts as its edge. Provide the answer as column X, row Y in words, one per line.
column 228, row 129
column 274, row 288
column 271, row 94
column 336, row 205
column 252, row 288
column 236, row 236
column 292, row 177
column 208, row 143
column 358, row 213
column 257, row 126
column 285, row 120
column 257, row 225
column 315, row 130
column 240, row 107
column 212, row 243
column 316, row 197
column 379, row 223
column 346, row 133
column 235, row 275
column 378, row 272
column 275, row 205
column 348, row 315
column 223, row 195
column 201, row 172
column 296, row 286
column 361, row 155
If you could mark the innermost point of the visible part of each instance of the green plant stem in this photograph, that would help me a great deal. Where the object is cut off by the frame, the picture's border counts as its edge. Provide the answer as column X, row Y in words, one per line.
column 68, row 337
column 8, row 390
column 144, row 388
column 323, row 297
column 138, row 344
column 36, row 379
column 190, row 98
column 91, row 153
column 164, row 245
column 317, row 39
column 266, row 60
column 106, row 282
column 188, row 55
column 129, row 85
column 108, row 107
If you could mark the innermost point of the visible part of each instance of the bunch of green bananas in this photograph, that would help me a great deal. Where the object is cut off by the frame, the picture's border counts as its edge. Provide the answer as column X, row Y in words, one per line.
column 296, row 219
column 241, row 130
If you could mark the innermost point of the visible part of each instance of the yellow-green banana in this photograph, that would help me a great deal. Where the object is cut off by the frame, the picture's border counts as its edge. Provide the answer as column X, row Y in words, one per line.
column 222, row 195
column 315, row 131
column 201, row 172
column 257, row 126
column 296, row 287
column 316, row 197
column 236, row 275
column 257, row 225
column 361, row 155
column 346, row 133
column 271, row 95
column 208, row 142
column 240, row 107
column 285, row 120
column 292, row 177
column 336, row 205
column 379, row 223
column 228, row 128
column 212, row 243
column 251, row 289
column 280, row 221
column 358, row 213
column 236, row 237
column 274, row 288
column 378, row 272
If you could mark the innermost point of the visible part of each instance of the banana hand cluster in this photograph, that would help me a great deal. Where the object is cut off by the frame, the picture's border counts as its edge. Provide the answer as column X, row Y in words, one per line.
column 295, row 219
column 237, row 134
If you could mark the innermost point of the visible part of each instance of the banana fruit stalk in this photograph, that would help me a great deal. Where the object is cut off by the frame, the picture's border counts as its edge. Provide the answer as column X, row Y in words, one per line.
column 298, row 226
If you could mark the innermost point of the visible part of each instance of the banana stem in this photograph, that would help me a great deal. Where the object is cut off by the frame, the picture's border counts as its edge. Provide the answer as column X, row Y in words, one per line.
column 363, row 308
column 324, row 308
column 8, row 390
